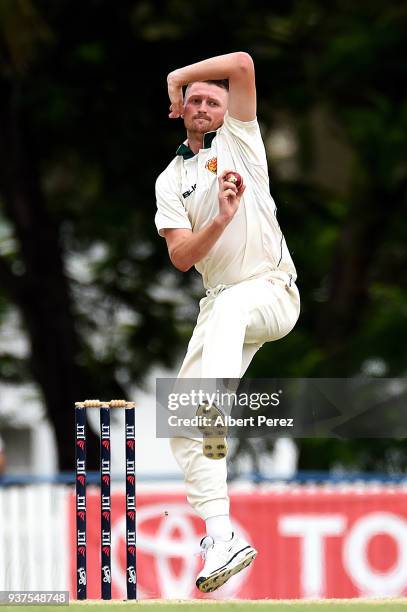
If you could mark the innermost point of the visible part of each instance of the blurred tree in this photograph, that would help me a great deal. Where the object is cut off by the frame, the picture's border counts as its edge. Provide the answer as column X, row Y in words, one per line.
column 84, row 133
column 76, row 175
column 353, row 277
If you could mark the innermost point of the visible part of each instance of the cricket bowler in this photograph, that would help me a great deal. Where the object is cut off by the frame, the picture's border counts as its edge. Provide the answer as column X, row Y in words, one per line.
column 216, row 213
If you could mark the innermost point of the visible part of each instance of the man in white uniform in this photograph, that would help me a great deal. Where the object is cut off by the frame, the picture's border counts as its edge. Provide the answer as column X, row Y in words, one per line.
column 233, row 239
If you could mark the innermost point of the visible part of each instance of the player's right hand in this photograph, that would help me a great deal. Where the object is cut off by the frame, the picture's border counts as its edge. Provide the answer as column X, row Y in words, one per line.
column 229, row 196
column 175, row 95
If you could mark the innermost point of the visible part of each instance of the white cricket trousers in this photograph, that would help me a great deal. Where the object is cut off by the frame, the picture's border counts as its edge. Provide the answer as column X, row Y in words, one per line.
column 233, row 323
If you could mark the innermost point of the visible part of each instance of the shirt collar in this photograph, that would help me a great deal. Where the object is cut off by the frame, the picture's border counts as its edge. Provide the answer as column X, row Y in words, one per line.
column 187, row 153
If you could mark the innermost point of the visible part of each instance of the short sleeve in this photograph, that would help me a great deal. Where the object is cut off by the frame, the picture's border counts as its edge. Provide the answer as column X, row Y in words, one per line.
column 171, row 213
column 247, row 138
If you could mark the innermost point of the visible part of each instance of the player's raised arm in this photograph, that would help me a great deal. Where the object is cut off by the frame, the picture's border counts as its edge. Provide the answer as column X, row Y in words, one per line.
column 237, row 67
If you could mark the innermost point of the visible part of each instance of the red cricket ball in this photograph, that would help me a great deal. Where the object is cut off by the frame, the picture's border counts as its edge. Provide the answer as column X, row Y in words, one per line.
column 234, row 177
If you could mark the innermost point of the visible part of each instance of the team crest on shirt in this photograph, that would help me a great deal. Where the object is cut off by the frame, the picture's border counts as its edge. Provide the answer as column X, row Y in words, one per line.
column 212, row 164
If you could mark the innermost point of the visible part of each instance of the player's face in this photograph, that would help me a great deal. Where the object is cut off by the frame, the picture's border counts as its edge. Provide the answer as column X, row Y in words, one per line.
column 204, row 107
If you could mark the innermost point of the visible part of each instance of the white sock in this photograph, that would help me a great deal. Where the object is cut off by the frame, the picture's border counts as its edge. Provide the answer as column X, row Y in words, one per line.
column 219, row 527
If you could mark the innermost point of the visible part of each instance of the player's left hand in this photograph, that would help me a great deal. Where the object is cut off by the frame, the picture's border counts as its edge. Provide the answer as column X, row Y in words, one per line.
column 176, row 96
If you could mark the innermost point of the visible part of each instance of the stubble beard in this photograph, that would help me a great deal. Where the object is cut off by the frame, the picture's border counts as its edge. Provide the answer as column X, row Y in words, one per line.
column 200, row 127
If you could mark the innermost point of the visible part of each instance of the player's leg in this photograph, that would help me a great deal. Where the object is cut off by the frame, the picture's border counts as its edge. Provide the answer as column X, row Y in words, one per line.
column 254, row 311
column 276, row 311
column 206, row 488
column 245, row 315
column 205, row 479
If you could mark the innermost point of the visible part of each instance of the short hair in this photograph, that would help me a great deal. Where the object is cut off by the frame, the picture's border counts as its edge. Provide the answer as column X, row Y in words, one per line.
column 222, row 83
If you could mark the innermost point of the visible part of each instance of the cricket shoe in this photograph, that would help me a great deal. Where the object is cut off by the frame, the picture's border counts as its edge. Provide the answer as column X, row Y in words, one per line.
column 214, row 430
column 222, row 561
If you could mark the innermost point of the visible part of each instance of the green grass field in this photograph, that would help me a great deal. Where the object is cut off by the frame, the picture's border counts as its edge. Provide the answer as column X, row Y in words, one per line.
column 333, row 605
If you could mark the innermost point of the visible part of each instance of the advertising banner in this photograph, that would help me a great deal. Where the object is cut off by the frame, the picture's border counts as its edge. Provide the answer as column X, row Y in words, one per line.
column 312, row 542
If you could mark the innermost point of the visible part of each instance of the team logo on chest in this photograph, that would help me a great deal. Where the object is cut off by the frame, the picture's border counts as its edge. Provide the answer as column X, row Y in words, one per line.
column 212, row 164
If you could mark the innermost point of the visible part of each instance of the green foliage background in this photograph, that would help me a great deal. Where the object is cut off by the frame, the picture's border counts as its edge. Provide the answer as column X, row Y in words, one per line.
column 84, row 133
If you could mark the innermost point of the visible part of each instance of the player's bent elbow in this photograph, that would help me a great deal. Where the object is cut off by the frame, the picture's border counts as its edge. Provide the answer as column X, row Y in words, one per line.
column 179, row 264
column 182, row 267
column 244, row 62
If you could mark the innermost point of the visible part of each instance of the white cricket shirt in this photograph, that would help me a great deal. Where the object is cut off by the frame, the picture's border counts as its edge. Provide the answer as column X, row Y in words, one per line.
column 187, row 197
